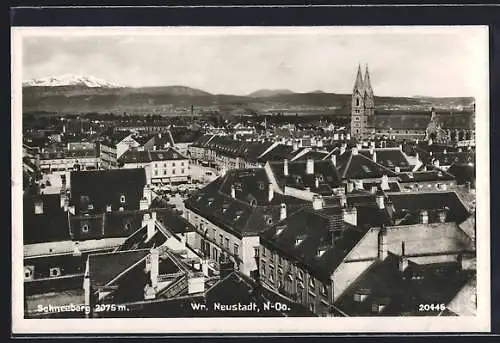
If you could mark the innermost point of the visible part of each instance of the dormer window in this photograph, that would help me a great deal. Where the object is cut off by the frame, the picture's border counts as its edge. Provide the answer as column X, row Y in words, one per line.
column 269, row 220
column 280, row 229
column 127, row 226
column 312, row 283
column 299, row 240
column 122, row 199
column 321, row 251
column 261, row 186
column 91, row 206
column 85, row 228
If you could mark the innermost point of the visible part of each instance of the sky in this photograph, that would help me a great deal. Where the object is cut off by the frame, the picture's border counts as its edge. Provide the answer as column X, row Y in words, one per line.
column 413, row 61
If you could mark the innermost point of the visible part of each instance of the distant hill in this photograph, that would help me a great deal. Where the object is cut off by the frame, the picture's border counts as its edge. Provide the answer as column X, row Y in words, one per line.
column 266, row 93
column 80, row 98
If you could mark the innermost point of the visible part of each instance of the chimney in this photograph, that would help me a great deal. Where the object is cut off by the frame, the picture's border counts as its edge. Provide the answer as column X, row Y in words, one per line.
column 359, row 146
column 76, row 249
column 270, row 192
column 403, row 260
column 233, row 192
column 436, row 162
column 354, row 150
column 282, row 211
column 154, row 267
column 108, row 208
column 71, row 209
column 379, row 199
column 295, row 145
column 384, row 183
column 372, row 150
column 316, row 182
column 196, row 283
column 400, row 147
column 62, row 198
column 424, row 217
column 350, row 216
column 443, row 214
column 334, row 159
column 151, row 226
column 382, row 243
column 343, row 201
column 317, row 202
column 372, row 144
column 342, row 149
column 348, row 136
column 374, row 156
column 350, row 186
column 397, row 170
column 358, row 184
column 285, row 167
column 39, row 207
column 310, row 166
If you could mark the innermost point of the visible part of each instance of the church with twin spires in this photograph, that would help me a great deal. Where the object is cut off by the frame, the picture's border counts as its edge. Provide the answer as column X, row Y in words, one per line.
column 363, row 105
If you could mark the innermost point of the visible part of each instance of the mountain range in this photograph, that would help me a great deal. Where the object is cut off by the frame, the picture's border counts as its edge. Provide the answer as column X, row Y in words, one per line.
column 78, row 94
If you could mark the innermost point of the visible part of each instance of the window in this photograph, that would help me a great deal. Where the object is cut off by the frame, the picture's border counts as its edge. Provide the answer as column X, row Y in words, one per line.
column 164, row 165
column 156, row 172
column 256, row 251
column 227, row 243
column 122, row 199
column 357, row 101
column 221, row 238
column 156, row 165
column 263, row 267
column 173, row 171
column 182, row 171
column 300, row 274
column 182, row 164
column 236, row 249
column 164, row 172
column 85, row 228
column 312, row 284
column 263, row 251
column 173, row 164
column 324, row 290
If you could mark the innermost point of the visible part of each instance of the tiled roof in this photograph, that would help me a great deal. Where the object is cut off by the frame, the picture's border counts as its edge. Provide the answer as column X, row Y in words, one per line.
column 325, row 171
column 423, row 176
column 315, row 231
column 249, row 212
column 402, row 293
column 414, row 202
column 51, row 226
column 105, row 187
column 69, row 154
column 115, row 138
column 358, row 166
column 278, row 153
column 143, row 139
column 389, row 158
column 103, row 268
column 146, row 156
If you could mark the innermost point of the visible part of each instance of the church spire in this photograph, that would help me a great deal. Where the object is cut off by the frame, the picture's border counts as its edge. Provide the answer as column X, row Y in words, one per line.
column 358, row 85
column 367, row 82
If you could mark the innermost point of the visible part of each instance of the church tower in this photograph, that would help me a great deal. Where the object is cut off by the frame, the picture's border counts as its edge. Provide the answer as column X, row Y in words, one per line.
column 363, row 104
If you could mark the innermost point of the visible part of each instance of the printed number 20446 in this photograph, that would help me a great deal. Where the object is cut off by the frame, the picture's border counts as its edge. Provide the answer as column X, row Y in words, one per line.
column 431, row 307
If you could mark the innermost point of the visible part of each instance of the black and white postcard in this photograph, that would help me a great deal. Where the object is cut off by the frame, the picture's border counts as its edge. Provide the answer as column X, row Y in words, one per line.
column 250, row 179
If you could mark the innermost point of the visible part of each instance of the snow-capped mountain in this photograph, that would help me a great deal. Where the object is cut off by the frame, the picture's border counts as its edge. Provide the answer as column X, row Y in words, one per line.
column 70, row 80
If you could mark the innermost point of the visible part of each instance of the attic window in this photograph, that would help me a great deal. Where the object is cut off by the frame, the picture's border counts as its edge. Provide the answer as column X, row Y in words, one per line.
column 122, row 199
column 127, row 226
column 269, row 220
column 85, row 228
column 261, row 186
column 299, row 240
column 91, row 206
column 210, row 201
column 238, row 215
column 253, row 202
column 320, row 177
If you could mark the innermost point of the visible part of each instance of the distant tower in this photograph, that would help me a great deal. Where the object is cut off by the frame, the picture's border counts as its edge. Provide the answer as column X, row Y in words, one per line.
column 363, row 104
